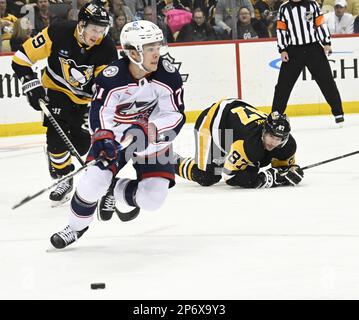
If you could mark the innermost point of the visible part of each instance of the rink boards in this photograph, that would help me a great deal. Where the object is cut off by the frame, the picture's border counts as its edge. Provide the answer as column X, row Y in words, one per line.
column 212, row 71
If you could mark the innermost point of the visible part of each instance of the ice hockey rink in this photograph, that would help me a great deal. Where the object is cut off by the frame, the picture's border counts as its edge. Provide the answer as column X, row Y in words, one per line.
column 204, row 243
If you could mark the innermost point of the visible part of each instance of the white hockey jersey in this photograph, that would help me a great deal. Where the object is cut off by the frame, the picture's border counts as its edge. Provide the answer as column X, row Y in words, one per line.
column 120, row 100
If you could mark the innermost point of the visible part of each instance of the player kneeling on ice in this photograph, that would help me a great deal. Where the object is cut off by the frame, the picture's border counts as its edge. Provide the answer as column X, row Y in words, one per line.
column 140, row 96
column 234, row 140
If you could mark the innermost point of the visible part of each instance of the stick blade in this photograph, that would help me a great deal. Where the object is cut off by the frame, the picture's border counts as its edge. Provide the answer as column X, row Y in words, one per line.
column 128, row 216
column 28, row 198
column 23, row 201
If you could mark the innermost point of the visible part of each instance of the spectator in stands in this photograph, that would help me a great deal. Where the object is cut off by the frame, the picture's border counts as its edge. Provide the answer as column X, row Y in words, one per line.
column 197, row 30
column 250, row 28
column 118, row 23
column 136, row 7
column 175, row 4
column 223, row 15
column 208, row 7
column 352, row 6
column 22, row 32
column 42, row 15
column 59, row 12
column 73, row 13
column 7, row 21
column 339, row 22
column 267, row 7
column 356, row 25
column 119, row 6
column 14, row 7
column 268, row 10
column 161, row 22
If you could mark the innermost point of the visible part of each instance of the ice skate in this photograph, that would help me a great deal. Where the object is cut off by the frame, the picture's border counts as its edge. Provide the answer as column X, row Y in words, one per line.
column 339, row 120
column 106, row 207
column 65, row 237
column 62, row 193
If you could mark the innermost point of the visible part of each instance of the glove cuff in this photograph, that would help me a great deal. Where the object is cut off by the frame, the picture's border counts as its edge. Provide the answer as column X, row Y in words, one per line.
column 30, row 85
column 267, row 180
column 102, row 134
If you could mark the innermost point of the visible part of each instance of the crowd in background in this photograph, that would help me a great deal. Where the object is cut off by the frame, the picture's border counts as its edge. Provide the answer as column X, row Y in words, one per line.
column 180, row 20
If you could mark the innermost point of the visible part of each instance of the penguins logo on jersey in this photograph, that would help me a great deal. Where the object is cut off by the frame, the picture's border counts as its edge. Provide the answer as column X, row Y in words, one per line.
column 76, row 76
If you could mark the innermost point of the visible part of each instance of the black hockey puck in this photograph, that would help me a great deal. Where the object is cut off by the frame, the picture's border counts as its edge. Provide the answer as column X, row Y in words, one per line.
column 98, row 286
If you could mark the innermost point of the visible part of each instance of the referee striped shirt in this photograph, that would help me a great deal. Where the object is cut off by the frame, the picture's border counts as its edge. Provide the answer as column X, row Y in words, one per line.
column 301, row 23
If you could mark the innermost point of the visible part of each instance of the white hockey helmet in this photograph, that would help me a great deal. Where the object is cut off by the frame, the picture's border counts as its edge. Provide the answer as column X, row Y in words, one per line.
column 136, row 34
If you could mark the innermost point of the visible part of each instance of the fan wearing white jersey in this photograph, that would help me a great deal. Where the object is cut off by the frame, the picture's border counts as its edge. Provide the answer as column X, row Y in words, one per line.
column 139, row 96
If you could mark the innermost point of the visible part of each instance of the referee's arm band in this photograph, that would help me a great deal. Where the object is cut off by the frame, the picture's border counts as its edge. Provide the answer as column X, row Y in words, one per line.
column 281, row 25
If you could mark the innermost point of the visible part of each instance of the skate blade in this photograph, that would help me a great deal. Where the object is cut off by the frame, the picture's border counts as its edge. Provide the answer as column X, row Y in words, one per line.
column 51, row 249
column 55, row 204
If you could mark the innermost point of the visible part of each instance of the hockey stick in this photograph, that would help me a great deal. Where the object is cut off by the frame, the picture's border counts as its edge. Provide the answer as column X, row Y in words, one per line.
column 126, row 142
column 330, row 160
column 127, row 216
column 124, row 216
column 61, row 132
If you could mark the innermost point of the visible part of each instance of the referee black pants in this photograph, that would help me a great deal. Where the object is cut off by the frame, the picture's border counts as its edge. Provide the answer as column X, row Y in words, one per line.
column 313, row 57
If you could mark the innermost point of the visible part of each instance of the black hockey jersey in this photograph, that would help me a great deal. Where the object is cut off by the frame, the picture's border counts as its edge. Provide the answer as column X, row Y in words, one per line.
column 235, row 128
column 121, row 100
column 71, row 66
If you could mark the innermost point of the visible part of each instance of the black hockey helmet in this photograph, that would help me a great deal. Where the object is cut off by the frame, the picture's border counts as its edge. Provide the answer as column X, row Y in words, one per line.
column 94, row 14
column 277, row 125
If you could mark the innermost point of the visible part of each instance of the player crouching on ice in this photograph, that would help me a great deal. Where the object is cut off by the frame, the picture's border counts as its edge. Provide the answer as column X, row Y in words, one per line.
column 139, row 95
column 234, row 140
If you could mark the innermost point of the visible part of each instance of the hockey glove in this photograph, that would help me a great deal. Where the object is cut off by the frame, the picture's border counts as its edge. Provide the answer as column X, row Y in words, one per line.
column 270, row 178
column 104, row 144
column 293, row 175
column 34, row 91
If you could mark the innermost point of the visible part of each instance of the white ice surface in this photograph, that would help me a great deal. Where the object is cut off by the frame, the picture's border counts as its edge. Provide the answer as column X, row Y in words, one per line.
column 204, row 243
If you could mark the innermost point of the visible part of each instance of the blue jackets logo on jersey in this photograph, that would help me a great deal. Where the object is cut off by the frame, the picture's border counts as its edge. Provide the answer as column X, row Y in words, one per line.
column 135, row 110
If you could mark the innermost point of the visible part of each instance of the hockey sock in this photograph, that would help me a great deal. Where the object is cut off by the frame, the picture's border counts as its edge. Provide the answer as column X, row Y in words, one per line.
column 184, row 168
